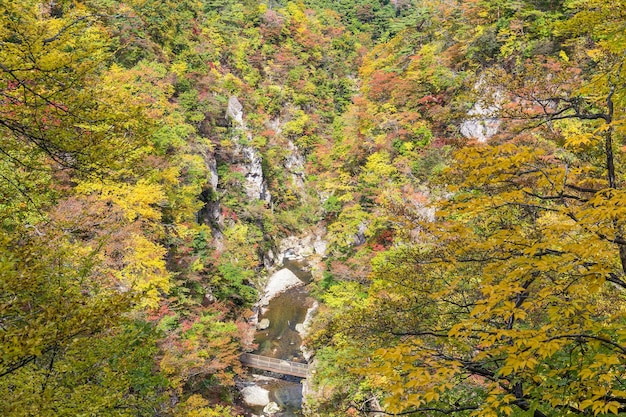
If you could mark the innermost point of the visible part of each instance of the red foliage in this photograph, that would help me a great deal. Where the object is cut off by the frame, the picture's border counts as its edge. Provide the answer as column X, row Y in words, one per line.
column 157, row 315
column 268, row 133
column 284, row 61
column 272, row 25
column 381, row 85
column 229, row 214
column 383, row 241
column 186, row 325
column 377, row 247
column 429, row 100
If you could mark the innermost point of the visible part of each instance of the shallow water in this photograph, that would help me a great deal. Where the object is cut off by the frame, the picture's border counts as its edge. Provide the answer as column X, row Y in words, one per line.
column 299, row 268
column 285, row 311
column 281, row 340
column 287, row 394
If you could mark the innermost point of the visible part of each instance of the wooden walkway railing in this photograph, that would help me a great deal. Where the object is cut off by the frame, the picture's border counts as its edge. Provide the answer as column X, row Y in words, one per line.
column 275, row 365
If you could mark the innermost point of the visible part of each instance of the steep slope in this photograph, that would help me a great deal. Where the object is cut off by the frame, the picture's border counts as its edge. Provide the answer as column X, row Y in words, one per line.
column 464, row 157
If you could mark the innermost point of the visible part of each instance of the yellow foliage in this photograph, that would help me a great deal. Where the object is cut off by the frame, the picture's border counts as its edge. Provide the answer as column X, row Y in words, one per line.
column 144, row 270
column 532, row 273
column 197, row 406
column 138, row 200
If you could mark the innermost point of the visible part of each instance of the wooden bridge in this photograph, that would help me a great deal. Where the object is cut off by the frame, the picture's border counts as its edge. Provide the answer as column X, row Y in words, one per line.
column 275, row 365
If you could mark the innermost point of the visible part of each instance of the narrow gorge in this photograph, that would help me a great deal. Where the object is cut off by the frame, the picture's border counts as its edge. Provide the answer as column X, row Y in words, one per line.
column 419, row 205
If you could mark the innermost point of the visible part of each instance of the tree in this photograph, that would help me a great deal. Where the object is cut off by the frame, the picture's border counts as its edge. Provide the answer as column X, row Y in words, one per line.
column 511, row 302
column 517, row 295
column 49, row 68
column 72, row 204
column 66, row 341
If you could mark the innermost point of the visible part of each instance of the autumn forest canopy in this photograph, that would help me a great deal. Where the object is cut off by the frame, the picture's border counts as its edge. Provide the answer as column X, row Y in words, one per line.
column 465, row 162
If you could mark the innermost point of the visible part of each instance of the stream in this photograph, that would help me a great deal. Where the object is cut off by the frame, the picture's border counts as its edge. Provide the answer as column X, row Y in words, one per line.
column 281, row 340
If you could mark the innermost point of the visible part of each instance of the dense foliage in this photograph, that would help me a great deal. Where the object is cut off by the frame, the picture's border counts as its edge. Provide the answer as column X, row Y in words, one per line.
column 507, row 298
column 465, row 158
column 128, row 267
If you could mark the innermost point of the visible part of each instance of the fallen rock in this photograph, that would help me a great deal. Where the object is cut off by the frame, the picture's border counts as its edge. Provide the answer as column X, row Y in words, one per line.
column 271, row 408
column 279, row 282
column 263, row 324
column 255, row 396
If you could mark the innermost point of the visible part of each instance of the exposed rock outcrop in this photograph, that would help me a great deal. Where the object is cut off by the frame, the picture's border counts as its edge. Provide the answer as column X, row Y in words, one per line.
column 294, row 163
column 251, row 161
column 359, row 236
column 483, row 122
column 211, row 213
column 303, row 329
column 481, row 126
column 255, row 186
column 234, row 111
column 300, row 247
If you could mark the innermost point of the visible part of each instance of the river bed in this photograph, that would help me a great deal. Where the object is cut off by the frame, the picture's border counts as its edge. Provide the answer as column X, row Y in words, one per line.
column 281, row 340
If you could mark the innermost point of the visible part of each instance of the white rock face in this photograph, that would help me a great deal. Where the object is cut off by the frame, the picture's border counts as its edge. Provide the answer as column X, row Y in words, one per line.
column 256, row 396
column 294, row 247
column 255, row 185
column 294, row 163
column 480, row 126
column 211, row 164
column 235, row 111
column 359, row 236
column 279, row 282
column 320, row 246
column 214, row 179
column 275, row 125
column 302, row 328
column 483, row 122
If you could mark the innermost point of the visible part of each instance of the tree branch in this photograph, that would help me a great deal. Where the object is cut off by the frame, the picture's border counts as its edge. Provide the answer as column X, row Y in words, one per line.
column 619, row 347
column 455, row 409
column 65, row 28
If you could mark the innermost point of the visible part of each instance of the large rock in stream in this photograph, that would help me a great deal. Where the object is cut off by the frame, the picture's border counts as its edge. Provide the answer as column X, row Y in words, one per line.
column 278, row 283
column 255, row 396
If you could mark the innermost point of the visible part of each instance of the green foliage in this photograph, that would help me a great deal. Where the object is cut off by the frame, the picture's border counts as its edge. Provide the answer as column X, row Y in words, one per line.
column 196, row 406
column 104, row 375
column 66, row 347
column 509, row 300
column 234, row 282
column 377, row 19
column 113, row 115
column 202, row 352
column 331, row 205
